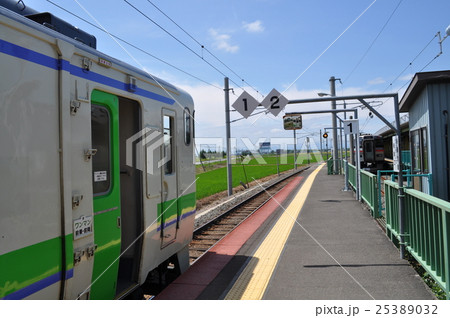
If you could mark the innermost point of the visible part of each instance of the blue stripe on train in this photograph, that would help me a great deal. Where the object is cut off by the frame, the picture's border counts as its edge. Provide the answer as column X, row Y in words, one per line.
column 37, row 286
column 185, row 215
column 47, row 61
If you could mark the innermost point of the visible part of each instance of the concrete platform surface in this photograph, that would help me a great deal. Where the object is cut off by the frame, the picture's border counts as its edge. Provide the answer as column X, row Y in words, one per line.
column 336, row 250
column 321, row 244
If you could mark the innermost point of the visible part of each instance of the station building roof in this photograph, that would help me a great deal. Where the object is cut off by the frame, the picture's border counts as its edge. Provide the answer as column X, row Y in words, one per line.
column 418, row 83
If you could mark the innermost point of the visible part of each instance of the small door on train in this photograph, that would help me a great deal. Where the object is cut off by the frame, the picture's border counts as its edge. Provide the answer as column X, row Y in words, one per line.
column 369, row 151
column 168, row 209
column 106, row 188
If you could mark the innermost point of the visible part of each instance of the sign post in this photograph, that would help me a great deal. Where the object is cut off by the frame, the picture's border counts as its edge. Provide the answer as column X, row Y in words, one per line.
column 351, row 127
column 395, row 153
column 293, row 122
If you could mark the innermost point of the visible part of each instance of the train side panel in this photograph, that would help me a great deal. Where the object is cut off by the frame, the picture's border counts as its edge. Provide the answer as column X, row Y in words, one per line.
column 51, row 223
column 30, row 241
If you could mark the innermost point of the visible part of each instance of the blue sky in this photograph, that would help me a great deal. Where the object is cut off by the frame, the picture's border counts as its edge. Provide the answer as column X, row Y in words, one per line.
column 293, row 46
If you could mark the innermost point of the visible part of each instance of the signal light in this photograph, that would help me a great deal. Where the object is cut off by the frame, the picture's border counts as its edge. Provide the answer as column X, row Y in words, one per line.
column 325, row 135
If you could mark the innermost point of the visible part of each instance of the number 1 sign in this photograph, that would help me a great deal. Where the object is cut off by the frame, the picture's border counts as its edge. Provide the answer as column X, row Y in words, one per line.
column 351, row 126
column 245, row 104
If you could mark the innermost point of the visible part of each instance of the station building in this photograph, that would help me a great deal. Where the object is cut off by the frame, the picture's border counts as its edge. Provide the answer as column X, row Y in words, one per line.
column 427, row 101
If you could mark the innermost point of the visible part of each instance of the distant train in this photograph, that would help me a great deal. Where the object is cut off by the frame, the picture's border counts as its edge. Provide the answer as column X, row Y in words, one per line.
column 97, row 187
column 371, row 152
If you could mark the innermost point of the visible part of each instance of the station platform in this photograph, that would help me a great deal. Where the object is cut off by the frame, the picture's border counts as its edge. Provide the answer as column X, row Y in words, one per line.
column 312, row 240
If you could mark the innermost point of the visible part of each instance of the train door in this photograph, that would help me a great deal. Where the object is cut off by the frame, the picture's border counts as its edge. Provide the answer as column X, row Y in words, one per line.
column 130, row 198
column 168, row 211
column 369, row 151
column 106, row 191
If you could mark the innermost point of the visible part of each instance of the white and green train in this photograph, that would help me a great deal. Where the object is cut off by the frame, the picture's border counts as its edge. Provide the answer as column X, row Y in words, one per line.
column 97, row 182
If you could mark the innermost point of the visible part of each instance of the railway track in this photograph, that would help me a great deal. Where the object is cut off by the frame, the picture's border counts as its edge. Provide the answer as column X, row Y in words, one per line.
column 208, row 234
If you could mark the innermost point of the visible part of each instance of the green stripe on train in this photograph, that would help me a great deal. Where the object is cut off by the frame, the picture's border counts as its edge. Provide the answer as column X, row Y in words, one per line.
column 28, row 265
column 186, row 203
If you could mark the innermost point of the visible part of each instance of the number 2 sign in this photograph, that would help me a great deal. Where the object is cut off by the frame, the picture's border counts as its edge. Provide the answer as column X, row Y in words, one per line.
column 274, row 102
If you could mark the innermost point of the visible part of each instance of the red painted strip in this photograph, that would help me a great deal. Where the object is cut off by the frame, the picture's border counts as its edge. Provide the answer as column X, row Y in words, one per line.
column 191, row 284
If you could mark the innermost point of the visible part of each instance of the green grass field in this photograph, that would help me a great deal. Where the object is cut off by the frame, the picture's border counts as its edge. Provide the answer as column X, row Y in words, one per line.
column 214, row 181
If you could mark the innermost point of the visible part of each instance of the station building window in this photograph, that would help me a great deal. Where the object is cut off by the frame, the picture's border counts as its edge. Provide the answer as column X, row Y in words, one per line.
column 419, row 150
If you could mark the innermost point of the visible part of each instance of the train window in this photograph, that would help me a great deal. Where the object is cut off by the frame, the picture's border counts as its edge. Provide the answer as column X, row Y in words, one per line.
column 168, row 144
column 101, row 162
column 193, row 124
column 187, row 127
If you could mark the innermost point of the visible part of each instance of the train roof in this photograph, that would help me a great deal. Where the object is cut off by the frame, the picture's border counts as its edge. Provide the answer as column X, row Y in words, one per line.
column 35, row 25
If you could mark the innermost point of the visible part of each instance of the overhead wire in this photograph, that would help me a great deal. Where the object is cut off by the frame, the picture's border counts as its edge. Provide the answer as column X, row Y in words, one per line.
column 329, row 46
column 203, row 47
column 134, row 46
column 432, row 60
column 132, row 57
column 373, row 42
column 410, row 63
column 181, row 42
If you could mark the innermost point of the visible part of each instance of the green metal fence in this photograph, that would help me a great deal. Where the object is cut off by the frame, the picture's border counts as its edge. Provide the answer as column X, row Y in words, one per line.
column 352, row 175
column 330, row 166
column 427, row 230
column 369, row 192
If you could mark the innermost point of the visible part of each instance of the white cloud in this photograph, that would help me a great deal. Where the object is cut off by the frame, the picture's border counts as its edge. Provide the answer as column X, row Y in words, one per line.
column 222, row 41
column 209, row 105
column 376, row 81
column 276, row 130
column 407, row 77
column 253, row 27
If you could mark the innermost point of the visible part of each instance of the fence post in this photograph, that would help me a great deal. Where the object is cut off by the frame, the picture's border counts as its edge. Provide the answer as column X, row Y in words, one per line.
column 446, row 239
column 374, row 183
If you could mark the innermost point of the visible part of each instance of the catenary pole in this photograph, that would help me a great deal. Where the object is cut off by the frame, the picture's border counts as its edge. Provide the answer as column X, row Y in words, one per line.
column 228, row 136
column 334, row 125
column 401, row 193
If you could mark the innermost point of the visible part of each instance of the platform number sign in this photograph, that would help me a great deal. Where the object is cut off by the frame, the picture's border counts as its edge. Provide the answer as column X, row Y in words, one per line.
column 274, row 102
column 245, row 104
column 351, row 126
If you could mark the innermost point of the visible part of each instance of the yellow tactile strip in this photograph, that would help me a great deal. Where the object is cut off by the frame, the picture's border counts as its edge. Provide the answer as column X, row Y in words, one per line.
column 253, row 281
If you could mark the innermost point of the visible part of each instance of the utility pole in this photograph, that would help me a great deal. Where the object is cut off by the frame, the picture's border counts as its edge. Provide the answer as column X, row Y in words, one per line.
column 353, row 154
column 334, row 125
column 307, row 148
column 228, row 136
column 295, row 150
column 321, row 150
